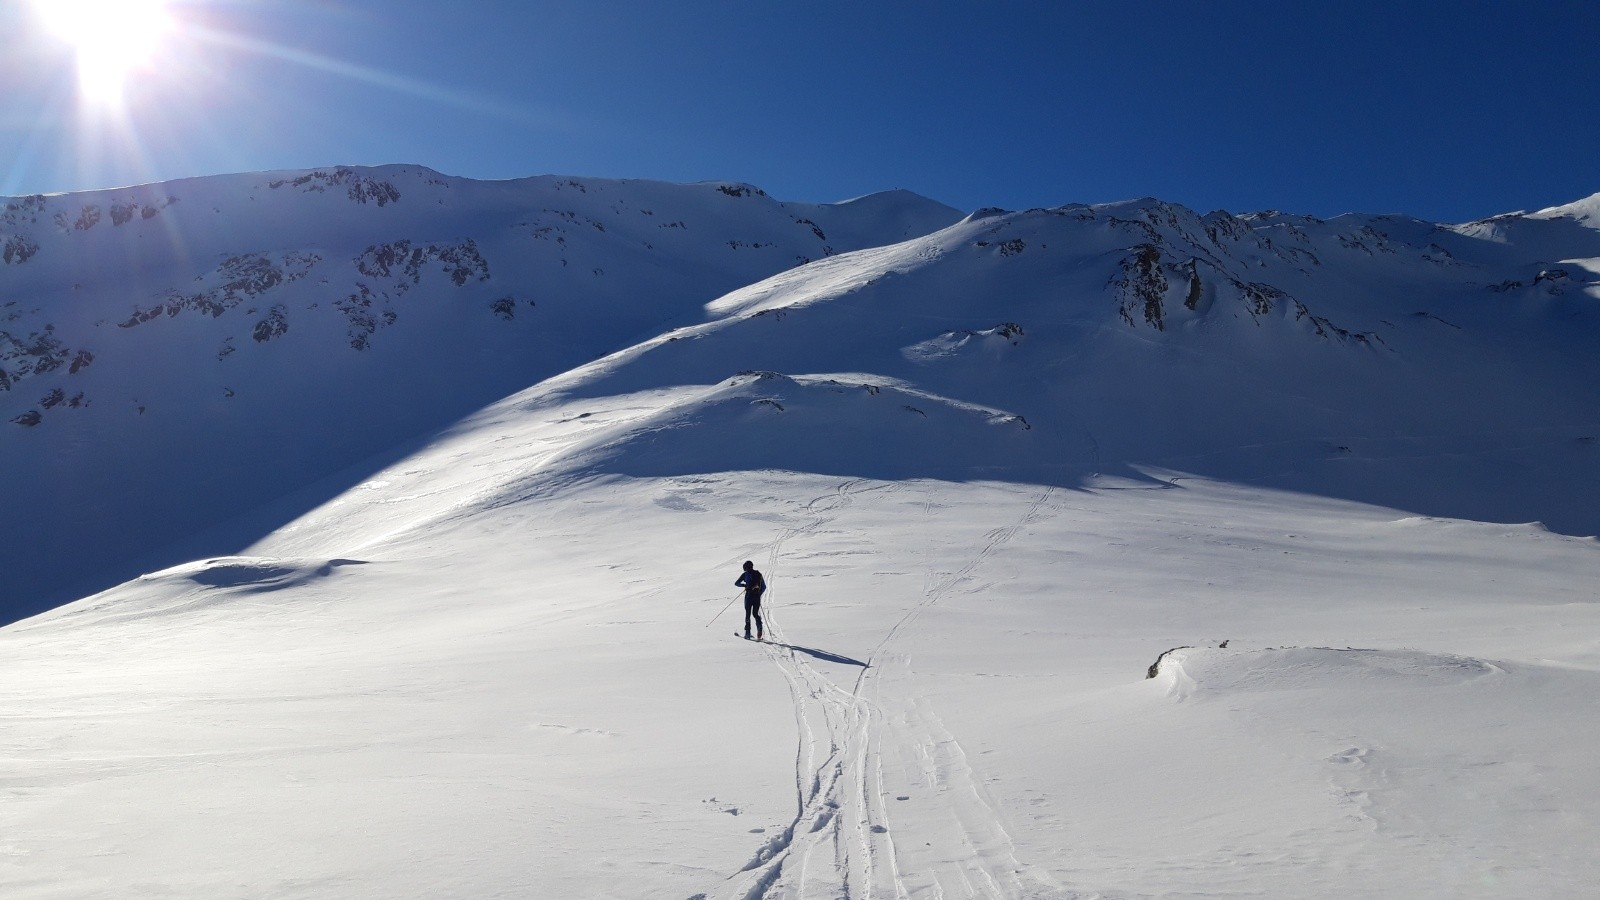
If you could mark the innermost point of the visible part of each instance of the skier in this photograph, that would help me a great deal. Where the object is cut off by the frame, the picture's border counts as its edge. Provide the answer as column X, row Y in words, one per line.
column 753, row 585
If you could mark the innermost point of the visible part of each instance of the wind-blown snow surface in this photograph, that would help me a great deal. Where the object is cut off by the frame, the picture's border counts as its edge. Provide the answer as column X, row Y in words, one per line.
column 991, row 474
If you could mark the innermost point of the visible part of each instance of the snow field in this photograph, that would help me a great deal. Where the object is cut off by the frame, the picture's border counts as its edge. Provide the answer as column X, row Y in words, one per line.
column 528, row 698
column 991, row 473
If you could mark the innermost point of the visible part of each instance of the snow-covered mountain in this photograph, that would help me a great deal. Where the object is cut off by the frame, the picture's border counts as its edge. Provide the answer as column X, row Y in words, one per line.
column 444, row 481
column 177, row 354
column 238, row 339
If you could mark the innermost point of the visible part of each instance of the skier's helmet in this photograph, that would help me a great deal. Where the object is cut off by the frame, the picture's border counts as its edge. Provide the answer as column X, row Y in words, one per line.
column 748, row 565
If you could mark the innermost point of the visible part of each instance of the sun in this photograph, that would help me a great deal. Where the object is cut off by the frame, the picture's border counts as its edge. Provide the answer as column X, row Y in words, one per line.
column 113, row 39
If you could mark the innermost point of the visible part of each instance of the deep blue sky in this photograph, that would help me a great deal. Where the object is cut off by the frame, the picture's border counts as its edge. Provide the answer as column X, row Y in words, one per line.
column 1445, row 110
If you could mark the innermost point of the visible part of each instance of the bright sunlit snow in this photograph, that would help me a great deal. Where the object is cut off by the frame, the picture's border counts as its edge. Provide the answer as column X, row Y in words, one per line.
column 1113, row 551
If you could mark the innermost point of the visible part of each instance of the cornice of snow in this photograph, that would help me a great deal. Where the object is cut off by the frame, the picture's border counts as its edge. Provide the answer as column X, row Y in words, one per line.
column 1585, row 211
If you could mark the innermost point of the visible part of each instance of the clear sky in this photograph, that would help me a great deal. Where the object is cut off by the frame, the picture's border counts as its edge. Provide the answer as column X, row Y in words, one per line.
column 1445, row 110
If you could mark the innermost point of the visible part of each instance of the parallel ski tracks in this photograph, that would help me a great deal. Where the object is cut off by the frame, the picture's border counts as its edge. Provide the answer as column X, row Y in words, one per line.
column 841, row 843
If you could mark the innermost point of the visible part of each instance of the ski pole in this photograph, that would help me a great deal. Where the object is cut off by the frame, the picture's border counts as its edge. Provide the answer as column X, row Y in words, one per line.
column 721, row 611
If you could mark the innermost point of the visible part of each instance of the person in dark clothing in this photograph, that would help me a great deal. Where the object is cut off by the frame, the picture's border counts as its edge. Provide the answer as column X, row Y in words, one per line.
column 753, row 585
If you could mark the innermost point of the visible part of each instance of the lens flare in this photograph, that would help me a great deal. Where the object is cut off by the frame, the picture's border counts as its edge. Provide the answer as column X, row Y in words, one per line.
column 113, row 39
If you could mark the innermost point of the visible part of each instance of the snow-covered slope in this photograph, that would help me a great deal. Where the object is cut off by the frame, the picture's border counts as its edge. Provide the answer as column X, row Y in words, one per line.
column 175, row 354
column 1402, row 367
column 992, row 471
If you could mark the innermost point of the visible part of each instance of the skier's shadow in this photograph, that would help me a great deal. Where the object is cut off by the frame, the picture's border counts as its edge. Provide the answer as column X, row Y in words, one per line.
column 823, row 655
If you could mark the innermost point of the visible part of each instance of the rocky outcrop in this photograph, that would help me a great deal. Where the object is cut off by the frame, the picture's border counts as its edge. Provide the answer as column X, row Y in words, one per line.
column 276, row 324
column 1324, row 328
column 1147, row 284
column 404, row 262
column 1141, row 287
column 506, row 307
column 17, row 250
column 359, row 188
column 35, row 354
column 239, row 278
column 398, row 267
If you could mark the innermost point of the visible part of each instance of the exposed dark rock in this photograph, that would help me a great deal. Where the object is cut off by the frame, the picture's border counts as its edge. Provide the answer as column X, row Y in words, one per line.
column 1260, row 299
column 1196, row 289
column 1220, row 225
column 815, row 228
column 18, row 250
column 1439, row 256
column 276, row 324
column 244, row 276
column 36, row 354
column 26, row 207
column 1368, row 240
column 763, row 376
column 1155, row 667
column 1326, row 329
column 404, row 261
column 141, row 315
column 87, row 219
column 359, row 188
column 1143, row 286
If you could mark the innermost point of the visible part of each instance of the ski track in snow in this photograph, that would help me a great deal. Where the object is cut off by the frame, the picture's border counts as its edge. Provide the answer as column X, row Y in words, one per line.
column 841, row 843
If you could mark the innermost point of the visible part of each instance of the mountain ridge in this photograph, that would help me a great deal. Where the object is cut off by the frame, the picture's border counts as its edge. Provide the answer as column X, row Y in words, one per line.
column 250, row 292
column 364, row 327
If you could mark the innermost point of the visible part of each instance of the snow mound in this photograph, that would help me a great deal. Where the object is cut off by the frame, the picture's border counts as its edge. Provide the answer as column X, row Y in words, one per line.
column 1462, row 767
column 252, row 574
column 193, row 587
column 965, row 342
column 1196, row 671
column 877, row 427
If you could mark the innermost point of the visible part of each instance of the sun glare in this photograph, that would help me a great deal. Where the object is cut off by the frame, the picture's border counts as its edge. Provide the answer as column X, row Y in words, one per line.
column 113, row 39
